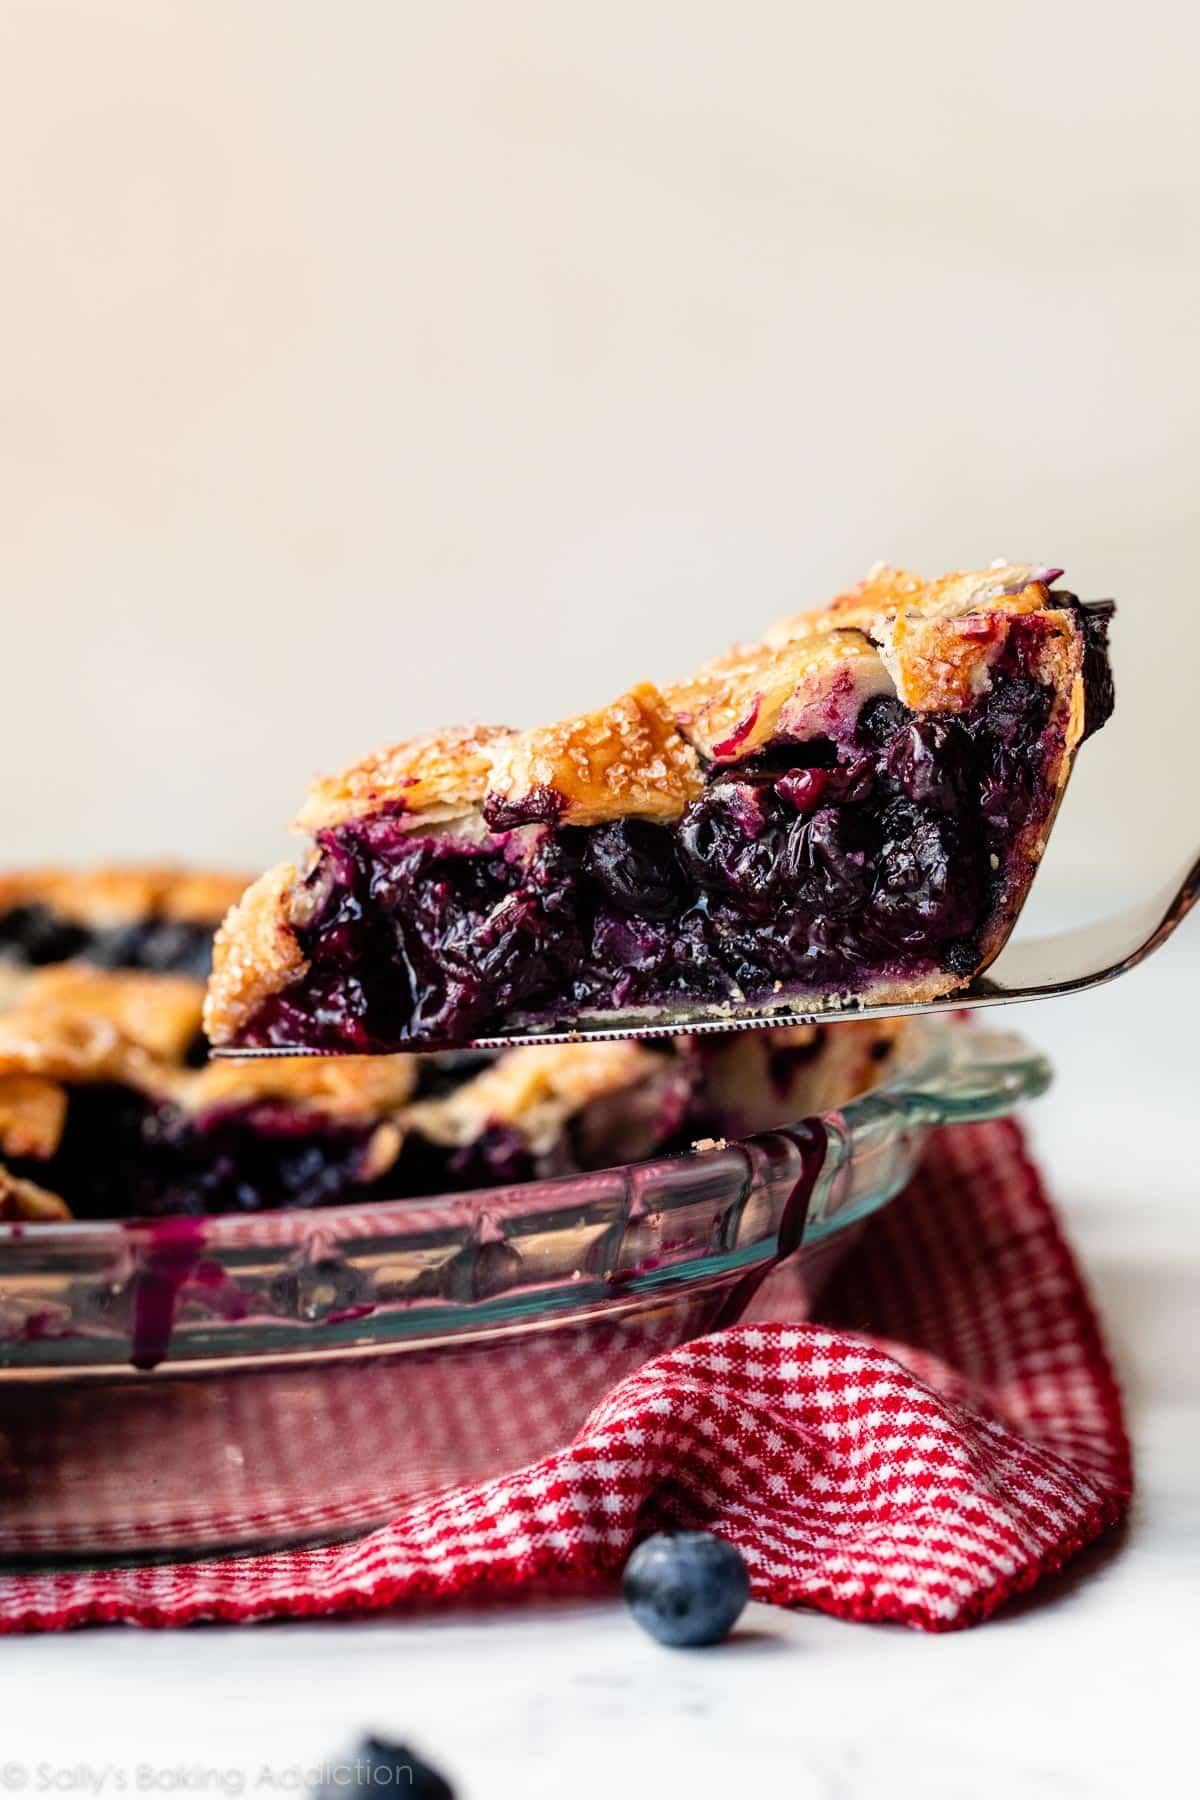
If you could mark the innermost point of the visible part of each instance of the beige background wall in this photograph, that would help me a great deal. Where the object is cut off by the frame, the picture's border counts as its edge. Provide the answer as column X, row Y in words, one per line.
column 371, row 364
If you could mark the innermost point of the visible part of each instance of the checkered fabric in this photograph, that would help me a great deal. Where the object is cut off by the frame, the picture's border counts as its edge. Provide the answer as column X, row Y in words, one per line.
column 949, row 1433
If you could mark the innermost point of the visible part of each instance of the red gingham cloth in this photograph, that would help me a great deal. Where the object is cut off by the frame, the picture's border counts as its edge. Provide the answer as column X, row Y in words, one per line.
column 950, row 1432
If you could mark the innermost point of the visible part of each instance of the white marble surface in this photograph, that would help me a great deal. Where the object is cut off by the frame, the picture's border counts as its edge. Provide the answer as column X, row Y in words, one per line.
column 1087, row 1689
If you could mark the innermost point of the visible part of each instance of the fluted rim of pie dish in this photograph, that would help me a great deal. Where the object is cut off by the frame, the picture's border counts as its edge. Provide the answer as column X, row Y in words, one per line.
column 387, row 1276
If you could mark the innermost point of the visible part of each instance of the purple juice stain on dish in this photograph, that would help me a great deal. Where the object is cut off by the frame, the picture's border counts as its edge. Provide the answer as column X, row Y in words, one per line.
column 349, row 1314
column 809, row 1141
column 164, row 1268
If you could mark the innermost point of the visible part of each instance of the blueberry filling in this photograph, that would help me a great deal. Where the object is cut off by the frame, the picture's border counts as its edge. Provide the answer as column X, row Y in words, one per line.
column 498, row 1157
column 36, row 935
column 123, row 1155
column 814, row 867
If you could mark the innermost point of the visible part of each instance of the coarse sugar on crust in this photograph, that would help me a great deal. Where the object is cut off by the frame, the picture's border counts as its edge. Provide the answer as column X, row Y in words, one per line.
column 888, row 592
column 255, row 953
column 756, row 693
column 444, row 773
column 628, row 760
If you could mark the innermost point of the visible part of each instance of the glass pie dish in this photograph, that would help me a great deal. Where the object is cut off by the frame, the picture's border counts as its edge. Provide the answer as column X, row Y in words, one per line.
column 188, row 1384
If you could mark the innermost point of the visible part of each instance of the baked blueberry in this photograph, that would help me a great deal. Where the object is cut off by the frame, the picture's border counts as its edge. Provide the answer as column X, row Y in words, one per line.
column 119, row 916
column 381, row 1767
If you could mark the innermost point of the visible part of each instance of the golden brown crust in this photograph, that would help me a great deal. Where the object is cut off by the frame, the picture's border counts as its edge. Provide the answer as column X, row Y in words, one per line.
column 24, row 1201
column 443, row 774
column 200, row 897
column 33, row 1111
column 628, row 760
column 811, row 688
column 255, row 953
column 945, row 664
column 887, row 592
column 533, row 1090
column 75, row 1026
column 941, row 665
column 73, row 1047
column 158, row 1013
column 116, row 894
column 937, row 639
column 349, row 1088
column 14, row 979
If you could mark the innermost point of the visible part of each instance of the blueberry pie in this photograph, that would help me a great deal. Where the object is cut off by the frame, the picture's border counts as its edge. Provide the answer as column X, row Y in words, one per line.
column 854, row 806
column 120, row 916
column 101, row 1116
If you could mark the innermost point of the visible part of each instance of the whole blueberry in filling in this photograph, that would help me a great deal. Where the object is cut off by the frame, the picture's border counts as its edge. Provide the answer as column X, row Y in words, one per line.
column 852, row 845
column 124, row 1155
column 35, row 935
column 633, row 864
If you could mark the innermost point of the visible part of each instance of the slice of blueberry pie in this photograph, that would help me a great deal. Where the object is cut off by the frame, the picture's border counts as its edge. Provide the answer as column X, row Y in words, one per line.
column 118, row 916
column 854, row 806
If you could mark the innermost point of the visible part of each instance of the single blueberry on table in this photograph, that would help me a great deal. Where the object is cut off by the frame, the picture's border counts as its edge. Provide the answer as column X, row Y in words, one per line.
column 379, row 1767
column 686, row 1587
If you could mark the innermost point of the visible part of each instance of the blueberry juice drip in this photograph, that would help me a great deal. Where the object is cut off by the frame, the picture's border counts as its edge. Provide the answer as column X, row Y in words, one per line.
column 813, row 866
